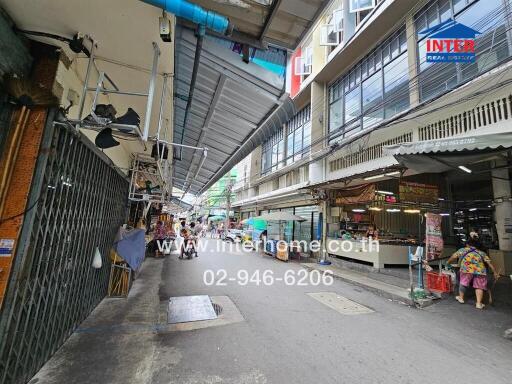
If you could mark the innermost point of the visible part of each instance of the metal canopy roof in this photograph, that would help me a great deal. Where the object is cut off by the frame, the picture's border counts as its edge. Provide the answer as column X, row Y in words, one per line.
column 234, row 107
column 280, row 22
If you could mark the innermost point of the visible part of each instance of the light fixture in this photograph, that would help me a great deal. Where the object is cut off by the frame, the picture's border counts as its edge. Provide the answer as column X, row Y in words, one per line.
column 373, row 177
column 396, row 173
column 412, row 211
column 385, row 193
column 465, row 169
column 358, row 210
column 376, row 209
column 393, row 210
column 473, row 209
column 441, row 199
column 444, row 214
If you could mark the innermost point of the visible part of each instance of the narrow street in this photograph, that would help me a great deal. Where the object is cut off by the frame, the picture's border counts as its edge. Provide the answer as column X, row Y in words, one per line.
column 286, row 336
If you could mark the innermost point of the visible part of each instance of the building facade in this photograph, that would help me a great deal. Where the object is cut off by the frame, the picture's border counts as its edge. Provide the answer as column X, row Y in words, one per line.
column 378, row 118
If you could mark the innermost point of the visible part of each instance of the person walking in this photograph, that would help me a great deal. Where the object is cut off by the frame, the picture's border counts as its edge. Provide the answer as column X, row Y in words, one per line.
column 473, row 262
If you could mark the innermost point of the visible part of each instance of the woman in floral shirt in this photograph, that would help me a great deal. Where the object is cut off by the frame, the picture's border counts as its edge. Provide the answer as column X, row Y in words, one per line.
column 473, row 264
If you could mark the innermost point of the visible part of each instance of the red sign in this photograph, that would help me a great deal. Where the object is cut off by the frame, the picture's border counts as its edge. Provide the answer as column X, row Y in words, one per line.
column 434, row 237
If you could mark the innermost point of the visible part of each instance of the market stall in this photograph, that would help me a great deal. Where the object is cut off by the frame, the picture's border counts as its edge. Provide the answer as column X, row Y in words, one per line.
column 276, row 244
column 391, row 214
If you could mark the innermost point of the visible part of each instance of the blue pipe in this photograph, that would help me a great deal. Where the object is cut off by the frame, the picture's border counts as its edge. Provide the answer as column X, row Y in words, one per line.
column 195, row 13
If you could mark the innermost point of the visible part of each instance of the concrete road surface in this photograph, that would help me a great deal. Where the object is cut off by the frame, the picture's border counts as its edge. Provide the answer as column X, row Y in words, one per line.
column 286, row 334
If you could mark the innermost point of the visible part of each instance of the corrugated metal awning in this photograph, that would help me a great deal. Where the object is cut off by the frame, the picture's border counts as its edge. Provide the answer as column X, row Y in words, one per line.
column 235, row 106
column 442, row 155
column 454, row 144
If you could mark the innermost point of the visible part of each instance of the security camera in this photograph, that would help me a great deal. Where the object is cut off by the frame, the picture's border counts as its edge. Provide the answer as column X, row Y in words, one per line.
column 165, row 28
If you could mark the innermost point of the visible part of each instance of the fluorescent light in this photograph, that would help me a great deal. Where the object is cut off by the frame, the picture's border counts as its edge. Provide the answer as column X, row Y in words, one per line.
column 444, row 214
column 412, row 211
column 465, row 169
column 373, row 177
column 440, row 199
column 376, row 209
column 385, row 193
column 473, row 209
column 393, row 173
column 393, row 210
column 358, row 210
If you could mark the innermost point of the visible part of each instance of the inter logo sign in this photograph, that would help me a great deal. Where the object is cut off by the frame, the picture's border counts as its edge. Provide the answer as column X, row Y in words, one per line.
column 450, row 42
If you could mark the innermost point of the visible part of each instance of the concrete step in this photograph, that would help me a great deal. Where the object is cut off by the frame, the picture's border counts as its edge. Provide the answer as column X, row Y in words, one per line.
column 385, row 289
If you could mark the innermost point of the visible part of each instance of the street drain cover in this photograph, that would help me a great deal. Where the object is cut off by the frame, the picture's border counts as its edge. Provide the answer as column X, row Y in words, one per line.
column 185, row 309
column 340, row 304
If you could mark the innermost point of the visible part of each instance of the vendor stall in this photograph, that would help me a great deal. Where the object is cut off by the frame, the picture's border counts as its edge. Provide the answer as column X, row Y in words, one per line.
column 375, row 224
column 275, row 244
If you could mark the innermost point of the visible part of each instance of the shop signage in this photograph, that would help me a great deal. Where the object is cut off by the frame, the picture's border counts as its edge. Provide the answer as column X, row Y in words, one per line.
column 6, row 247
column 357, row 195
column 434, row 236
column 450, row 42
column 418, row 193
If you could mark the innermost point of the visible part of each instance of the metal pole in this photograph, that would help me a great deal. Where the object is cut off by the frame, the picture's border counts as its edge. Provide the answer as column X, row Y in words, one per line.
column 86, row 81
column 97, row 90
column 117, row 92
column 151, row 92
column 160, row 115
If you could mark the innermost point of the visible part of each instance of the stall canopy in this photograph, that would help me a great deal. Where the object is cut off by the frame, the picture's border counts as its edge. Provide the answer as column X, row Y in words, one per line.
column 233, row 108
column 437, row 156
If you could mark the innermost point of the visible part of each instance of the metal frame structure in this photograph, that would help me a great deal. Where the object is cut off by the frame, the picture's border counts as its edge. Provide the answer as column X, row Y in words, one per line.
column 79, row 201
column 100, row 88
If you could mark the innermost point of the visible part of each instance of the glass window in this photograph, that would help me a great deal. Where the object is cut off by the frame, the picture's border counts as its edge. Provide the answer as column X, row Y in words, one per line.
column 396, row 86
column 372, row 100
column 352, row 104
column 298, row 144
column 364, row 92
column 336, row 115
column 289, row 149
column 307, row 135
column 445, row 10
column 492, row 48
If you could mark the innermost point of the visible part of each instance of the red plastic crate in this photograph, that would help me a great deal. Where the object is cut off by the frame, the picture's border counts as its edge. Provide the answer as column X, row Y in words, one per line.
column 439, row 282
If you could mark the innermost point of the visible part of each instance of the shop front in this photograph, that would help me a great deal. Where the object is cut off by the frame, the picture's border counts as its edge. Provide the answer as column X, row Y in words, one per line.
column 380, row 223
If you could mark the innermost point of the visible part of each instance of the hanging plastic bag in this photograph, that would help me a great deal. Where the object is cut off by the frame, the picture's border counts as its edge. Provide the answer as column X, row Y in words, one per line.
column 97, row 262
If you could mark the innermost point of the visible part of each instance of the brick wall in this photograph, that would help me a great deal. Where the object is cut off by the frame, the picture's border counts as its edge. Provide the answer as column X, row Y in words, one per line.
column 19, row 187
column 46, row 59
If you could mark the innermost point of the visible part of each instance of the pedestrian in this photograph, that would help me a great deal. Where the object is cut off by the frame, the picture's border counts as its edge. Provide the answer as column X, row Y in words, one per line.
column 159, row 235
column 473, row 262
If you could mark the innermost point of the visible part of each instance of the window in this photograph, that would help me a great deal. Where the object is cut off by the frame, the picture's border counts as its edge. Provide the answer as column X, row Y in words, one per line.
column 328, row 35
column 372, row 100
column 376, row 88
column 396, row 86
column 298, row 135
column 492, row 48
column 273, row 153
column 361, row 5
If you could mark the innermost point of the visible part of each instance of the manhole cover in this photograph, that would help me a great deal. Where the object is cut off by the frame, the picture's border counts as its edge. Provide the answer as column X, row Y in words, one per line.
column 217, row 308
column 185, row 309
column 340, row 304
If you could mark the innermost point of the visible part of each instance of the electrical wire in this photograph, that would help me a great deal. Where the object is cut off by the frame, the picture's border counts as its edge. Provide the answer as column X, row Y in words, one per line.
column 406, row 91
column 34, row 204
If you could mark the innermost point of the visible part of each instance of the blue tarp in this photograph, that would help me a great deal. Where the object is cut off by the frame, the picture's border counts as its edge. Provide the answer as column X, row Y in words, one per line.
column 131, row 246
